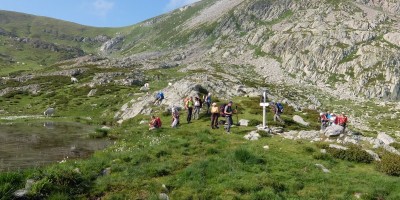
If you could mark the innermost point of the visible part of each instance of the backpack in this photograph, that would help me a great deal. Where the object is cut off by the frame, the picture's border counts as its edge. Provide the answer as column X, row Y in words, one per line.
column 222, row 110
column 158, row 123
column 161, row 96
column 280, row 107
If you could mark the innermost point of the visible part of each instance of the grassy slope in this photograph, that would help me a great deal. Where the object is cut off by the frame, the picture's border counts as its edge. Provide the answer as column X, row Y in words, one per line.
column 45, row 29
column 196, row 162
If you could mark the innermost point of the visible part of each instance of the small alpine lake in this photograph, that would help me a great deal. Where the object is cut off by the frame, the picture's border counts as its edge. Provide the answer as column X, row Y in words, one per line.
column 33, row 144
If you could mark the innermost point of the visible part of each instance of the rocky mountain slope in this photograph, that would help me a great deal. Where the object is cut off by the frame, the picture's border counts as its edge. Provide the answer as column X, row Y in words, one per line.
column 310, row 54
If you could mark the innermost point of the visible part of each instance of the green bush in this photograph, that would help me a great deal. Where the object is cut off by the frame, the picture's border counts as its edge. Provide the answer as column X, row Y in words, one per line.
column 353, row 153
column 396, row 145
column 390, row 164
column 322, row 156
column 245, row 156
column 254, row 122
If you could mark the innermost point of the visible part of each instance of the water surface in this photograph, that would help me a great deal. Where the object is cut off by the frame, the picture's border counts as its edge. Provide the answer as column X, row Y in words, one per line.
column 24, row 145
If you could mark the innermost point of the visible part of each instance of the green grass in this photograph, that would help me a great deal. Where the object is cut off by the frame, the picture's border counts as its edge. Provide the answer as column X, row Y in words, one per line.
column 195, row 162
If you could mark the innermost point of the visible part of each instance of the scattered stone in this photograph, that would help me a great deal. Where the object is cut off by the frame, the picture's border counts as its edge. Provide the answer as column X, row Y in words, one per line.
column 335, row 146
column 391, row 149
column 143, row 122
column 373, row 154
column 106, row 171
column 276, row 130
column 324, row 169
column 23, row 192
column 76, row 170
column 357, row 195
column 323, row 151
column 266, row 147
column 308, row 135
column 300, row 120
column 92, row 93
column 106, row 128
column 386, row 139
column 333, row 130
column 244, row 122
column 252, row 136
column 164, row 188
column 49, row 112
column 163, row 196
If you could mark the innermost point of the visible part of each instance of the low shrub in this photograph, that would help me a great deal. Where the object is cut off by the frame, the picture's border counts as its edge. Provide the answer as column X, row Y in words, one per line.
column 309, row 149
column 99, row 133
column 390, row 164
column 353, row 153
column 396, row 145
column 254, row 122
column 245, row 156
column 322, row 156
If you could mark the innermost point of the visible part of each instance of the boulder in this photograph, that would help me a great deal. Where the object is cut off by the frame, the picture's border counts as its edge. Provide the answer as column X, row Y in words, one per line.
column 244, row 122
column 252, row 136
column 300, row 120
column 49, row 112
column 333, row 130
column 386, row 139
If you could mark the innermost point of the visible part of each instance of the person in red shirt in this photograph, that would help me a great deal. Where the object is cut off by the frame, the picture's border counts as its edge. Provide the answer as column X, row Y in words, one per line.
column 342, row 121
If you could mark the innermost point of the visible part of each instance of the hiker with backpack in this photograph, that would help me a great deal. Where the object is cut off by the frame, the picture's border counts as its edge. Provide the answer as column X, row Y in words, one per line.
column 214, row 116
column 175, row 117
column 189, row 107
column 228, row 111
column 197, row 107
column 277, row 108
column 155, row 123
column 324, row 121
column 207, row 100
column 159, row 98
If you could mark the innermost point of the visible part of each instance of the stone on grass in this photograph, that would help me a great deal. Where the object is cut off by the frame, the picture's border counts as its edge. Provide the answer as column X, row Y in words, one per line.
column 300, row 120
column 323, row 151
column 106, row 171
column 143, row 122
column 373, row 154
column 252, row 136
column 333, row 130
column 386, row 139
column 163, row 196
column 277, row 130
column 92, row 92
column 244, row 122
column 266, row 147
column 335, row 146
column 324, row 169
column 308, row 135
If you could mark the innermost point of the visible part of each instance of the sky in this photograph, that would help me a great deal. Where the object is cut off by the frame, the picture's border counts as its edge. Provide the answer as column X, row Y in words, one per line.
column 99, row 13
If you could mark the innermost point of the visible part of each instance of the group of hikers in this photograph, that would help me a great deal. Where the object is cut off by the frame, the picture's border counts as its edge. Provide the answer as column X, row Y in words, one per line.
column 329, row 119
column 193, row 106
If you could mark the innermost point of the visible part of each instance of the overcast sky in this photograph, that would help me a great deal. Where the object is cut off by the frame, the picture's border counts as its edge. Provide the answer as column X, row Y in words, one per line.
column 100, row 13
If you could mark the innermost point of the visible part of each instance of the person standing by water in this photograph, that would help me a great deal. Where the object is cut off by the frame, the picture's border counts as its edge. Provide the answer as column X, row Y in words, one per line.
column 189, row 107
column 214, row 115
column 228, row 115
